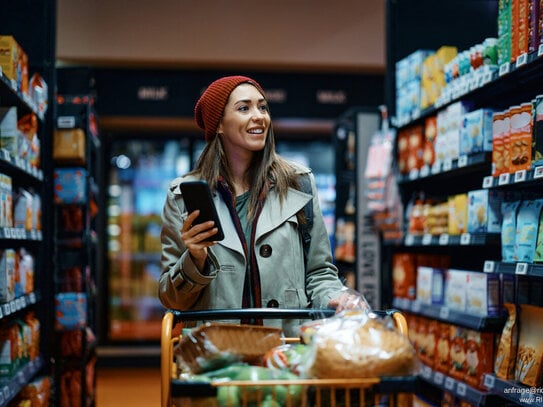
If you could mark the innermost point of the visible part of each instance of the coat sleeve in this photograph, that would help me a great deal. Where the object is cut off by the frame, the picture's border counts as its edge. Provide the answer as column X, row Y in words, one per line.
column 180, row 282
column 322, row 280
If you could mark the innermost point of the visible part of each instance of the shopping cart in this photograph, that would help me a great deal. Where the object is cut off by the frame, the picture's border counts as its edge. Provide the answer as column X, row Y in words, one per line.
column 316, row 392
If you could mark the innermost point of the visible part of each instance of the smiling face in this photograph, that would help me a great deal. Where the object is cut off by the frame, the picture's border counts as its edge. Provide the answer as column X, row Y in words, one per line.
column 245, row 123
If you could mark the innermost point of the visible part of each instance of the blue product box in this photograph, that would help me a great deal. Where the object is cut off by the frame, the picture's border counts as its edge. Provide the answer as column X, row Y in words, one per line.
column 70, row 185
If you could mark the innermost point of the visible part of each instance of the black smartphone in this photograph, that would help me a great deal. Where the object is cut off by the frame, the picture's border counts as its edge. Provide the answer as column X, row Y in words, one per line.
column 197, row 195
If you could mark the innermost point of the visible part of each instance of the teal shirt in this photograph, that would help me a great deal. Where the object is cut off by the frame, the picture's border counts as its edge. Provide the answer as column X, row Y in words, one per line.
column 242, row 204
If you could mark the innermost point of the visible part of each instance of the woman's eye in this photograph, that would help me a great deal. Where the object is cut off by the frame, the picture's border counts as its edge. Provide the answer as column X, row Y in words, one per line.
column 264, row 108
column 243, row 108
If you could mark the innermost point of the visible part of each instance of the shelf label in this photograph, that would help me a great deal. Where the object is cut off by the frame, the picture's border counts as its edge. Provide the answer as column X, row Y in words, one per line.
column 424, row 171
column 66, row 122
column 520, row 176
column 488, row 181
column 409, row 240
column 461, row 389
column 504, row 69
column 465, row 239
column 521, row 268
column 413, row 174
column 538, row 172
column 426, row 372
column 438, row 378
column 444, row 313
column 447, row 164
column 540, row 50
column 462, row 160
column 444, row 239
column 415, row 306
column 489, row 266
column 427, row 239
column 489, row 381
column 487, row 77
column 449, row 383
column 504, row 179
column 521, row 60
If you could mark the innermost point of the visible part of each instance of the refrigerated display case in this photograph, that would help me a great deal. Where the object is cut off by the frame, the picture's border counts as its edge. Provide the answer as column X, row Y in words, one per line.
column 139, row 173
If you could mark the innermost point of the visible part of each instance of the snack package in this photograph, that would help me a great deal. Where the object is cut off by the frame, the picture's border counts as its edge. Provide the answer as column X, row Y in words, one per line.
column 504, row 364
column 357, row 344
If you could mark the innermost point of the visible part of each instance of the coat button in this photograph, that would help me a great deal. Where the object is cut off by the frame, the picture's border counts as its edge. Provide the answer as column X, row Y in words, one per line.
column 273, row 304
column 265, row 250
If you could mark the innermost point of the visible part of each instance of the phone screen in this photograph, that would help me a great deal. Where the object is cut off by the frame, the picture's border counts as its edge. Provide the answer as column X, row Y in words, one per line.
column 197, row 195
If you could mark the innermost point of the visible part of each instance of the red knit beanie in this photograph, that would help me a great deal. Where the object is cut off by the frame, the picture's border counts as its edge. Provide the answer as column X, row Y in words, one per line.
column 210, row 107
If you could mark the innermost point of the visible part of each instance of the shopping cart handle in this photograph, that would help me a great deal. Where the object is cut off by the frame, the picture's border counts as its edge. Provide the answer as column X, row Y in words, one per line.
column 260, row 313
column 247, row 313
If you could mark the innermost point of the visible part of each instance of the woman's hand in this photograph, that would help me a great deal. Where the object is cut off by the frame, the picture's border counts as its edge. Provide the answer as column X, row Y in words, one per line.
column 349, row 299
column 193, row 236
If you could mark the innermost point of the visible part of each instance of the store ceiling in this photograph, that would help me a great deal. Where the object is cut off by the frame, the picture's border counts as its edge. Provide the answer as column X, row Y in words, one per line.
column 344, row 35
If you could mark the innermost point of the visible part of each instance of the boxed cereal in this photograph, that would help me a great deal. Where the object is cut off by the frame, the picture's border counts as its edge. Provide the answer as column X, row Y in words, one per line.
column 7, row 275
column 430, row 285
column 483, row 294
column 9, row 134
column 476, row 132
column 458, row 214
column 404, row 275
column 484, row 211
column 69, row 146
column 70, row 185
column 456, row 289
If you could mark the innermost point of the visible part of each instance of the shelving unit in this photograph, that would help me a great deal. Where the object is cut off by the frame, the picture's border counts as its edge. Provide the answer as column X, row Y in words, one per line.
column 77, row 164
column 357, row 249
column 33, row 27
column 409, row 25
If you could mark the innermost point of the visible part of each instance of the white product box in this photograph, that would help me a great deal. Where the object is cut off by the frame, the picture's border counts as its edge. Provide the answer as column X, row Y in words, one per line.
column 430, row 285
column 456, row 289
column 484, row 211
column 483, row 294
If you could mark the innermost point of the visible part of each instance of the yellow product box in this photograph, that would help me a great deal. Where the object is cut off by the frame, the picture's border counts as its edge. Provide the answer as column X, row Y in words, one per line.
column 14, row 62
column 458, row 214
column 69, row 146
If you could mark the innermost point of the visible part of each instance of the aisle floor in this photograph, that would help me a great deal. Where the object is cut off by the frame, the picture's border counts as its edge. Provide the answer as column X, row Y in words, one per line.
column 130, row 386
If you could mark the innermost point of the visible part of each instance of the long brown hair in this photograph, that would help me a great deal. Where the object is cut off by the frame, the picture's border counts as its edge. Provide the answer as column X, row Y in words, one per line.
column 267, row 168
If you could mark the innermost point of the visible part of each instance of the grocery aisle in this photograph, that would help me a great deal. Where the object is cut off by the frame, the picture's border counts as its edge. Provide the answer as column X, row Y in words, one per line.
column 129, row 386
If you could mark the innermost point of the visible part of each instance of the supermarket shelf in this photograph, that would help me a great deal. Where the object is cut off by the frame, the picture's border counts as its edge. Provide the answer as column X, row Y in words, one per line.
column 520, row 268
column 458, row 388
column 11, row 97
column 465, row 239
column 445, row 314
column 10, row 387
column 449, row 167
column 22, row 167
column 20, row 234
column 515, row 392
column 17, row 304
column 520, row 179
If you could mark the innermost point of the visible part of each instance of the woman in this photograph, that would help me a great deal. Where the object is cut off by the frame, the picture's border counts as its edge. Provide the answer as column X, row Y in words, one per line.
column 260, row 263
